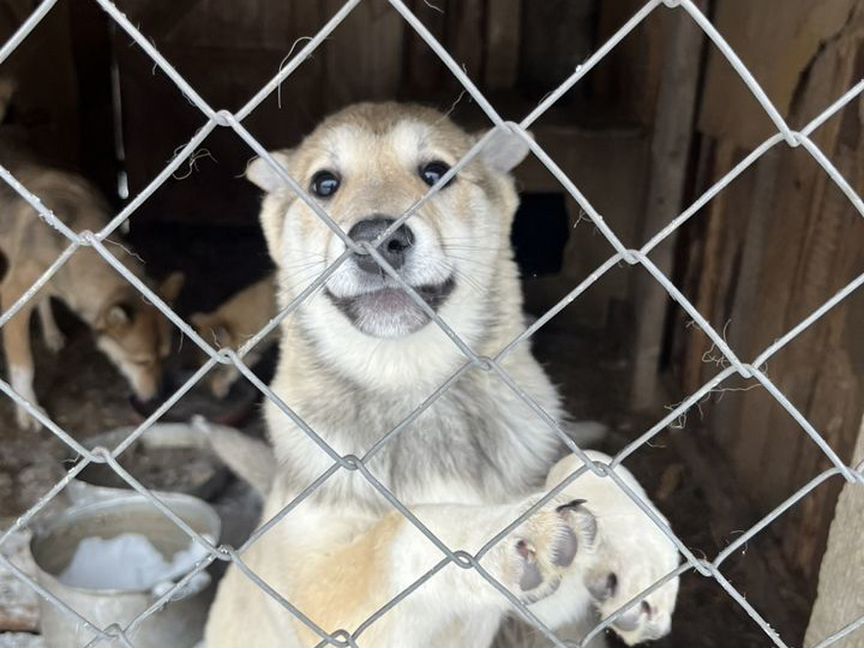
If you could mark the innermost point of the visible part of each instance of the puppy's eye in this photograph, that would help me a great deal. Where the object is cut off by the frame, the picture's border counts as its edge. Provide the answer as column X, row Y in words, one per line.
column 432, row 172
column 324, row 184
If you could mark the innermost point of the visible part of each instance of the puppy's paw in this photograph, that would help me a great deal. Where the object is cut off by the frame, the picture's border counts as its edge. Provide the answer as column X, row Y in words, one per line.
column 632, row 552
column 647, row 618
column 536, row 554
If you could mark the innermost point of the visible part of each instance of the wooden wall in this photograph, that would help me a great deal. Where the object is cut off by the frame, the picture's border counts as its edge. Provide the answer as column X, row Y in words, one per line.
column 46, row 95
column 774, row 246
column 228, row 50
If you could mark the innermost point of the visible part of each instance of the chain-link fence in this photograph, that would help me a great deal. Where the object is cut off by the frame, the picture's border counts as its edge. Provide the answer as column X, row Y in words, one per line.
column 214, row 118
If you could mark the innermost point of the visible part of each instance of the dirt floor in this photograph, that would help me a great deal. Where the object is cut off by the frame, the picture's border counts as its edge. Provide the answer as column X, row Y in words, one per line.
column 679, row 470
column 683, row 474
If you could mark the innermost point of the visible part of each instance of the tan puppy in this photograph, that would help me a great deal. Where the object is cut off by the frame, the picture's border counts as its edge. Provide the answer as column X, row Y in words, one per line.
column 360, row 356
column 233, row 323
column 130, row 331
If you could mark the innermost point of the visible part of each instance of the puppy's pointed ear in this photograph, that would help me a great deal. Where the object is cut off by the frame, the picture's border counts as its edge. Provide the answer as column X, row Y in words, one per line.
column 504, row 150
column 171, row 286
column 211, row 327
column 261, row 173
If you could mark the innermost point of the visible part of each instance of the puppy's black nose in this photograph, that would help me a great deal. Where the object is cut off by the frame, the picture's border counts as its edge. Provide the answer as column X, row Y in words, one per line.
column 394, row 248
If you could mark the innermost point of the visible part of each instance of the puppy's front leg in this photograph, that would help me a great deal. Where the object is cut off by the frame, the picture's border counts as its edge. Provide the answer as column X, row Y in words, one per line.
column 19, row 358
column 529, row 561
column 342, row 586
column 54, row 338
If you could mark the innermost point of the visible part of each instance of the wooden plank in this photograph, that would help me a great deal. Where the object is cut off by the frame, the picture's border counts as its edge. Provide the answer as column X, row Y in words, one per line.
column 557, row 35
column 745, row 295
column 503, row 46
column 838, row 600
column 252, row 24
column 670, row 156
column 250, row 58
column 466, row 36
column 799, row 244
column 626, row 83
column 762, row 37
column 707, row 269
column 364, row 57
column 834, row 399
column 423, row 73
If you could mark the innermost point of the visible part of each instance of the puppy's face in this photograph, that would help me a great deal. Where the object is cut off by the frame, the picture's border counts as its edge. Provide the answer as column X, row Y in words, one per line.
column 365, row 167
column 136, row 337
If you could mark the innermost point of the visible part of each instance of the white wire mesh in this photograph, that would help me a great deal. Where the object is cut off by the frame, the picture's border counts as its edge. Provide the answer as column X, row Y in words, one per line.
column 226, row 119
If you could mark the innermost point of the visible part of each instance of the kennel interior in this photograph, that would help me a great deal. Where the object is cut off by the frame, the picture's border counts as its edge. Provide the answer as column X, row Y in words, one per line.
column 645, row 135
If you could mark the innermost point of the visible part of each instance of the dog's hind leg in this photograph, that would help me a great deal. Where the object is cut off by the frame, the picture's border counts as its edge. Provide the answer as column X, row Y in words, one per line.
column 51, row 334
column 16, row 345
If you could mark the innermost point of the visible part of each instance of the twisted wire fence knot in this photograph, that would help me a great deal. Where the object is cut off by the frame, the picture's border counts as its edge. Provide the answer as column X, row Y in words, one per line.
column 600, row 468
column 225, row 552
column 485, row 363
column 99, row 455
column 224, row 118
column 513, row 128
column 351, row 462
column 464, row 559
column 341, row 638
column 227, row 356
column 114, row 631
column 795, row 138
column 746, row 370
column 88, row 238
column 632, row 257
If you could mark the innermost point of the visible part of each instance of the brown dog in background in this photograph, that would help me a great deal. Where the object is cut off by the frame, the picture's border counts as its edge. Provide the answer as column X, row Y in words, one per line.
column 129, row 330
column 234, row 322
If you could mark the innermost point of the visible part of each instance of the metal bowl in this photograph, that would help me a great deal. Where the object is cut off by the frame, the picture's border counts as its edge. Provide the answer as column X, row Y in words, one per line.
column 178, row 624
column 167, row 458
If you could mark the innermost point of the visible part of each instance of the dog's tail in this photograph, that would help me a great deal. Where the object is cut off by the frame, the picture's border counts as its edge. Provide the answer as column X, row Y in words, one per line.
column 585, row 434
column 250, row 459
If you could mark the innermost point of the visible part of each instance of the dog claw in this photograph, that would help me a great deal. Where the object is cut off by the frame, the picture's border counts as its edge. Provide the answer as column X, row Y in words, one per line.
column 571, row 506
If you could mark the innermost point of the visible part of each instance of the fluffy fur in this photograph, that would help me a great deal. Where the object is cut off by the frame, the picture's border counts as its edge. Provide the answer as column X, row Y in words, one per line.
column 134, row 335
column 131, row 332
column 466, row 466
column 233, row 323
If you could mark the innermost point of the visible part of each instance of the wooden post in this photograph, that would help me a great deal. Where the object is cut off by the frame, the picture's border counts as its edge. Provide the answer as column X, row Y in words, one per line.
column 670, row 150
column 840, row 597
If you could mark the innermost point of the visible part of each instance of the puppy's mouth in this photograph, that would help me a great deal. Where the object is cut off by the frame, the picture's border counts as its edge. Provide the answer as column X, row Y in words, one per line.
column 390, row 312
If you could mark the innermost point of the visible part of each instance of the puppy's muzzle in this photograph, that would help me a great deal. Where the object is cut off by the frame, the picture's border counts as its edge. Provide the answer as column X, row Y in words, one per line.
column 395, row 248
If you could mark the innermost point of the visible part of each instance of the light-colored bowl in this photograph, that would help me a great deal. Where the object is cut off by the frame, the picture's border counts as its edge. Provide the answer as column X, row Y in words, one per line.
column 199, row 472
column 177, row 625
